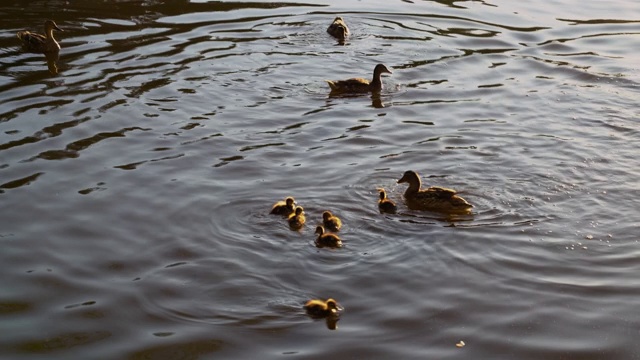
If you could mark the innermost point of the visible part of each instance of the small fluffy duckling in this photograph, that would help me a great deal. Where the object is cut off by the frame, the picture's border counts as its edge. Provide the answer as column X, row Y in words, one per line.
column 321, row 308
column 359, row 85
column 297, row 220
column 284, row 208
column 338, row 29
column 432, row 198
column 385, row 204
column 331, row 221
column 326, row 239
column 38, row 42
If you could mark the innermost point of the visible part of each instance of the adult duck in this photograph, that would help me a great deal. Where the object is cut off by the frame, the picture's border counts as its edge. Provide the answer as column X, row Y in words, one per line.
column 432, row 198
column 41, row 43
column 331, row 221
column 327, row 239
column 321, row 308
column 360, row 85
column 338, row 29
column 386, row 205
column 284, row 208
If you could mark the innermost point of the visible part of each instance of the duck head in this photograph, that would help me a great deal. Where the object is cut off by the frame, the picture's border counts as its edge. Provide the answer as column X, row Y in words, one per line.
column 383, row 194
column 333, row 306
column 410, row 177
column 50, row 25
column 381, row 69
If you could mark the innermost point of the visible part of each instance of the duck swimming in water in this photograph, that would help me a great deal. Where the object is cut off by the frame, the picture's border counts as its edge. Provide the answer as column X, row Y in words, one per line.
column 41, row 43
column 432, row 198
column 297, row 220
column 331, row 221
column 284, row 208
column 359, row 85
column 320, row 308
column 324, row 239
column 386, row 205
column 338, row 29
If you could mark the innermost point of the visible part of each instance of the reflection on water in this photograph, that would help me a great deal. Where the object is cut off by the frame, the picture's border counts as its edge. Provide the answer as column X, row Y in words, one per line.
column 138, row 168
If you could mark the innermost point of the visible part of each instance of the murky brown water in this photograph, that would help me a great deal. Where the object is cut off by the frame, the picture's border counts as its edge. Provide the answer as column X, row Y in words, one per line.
column 136, row 182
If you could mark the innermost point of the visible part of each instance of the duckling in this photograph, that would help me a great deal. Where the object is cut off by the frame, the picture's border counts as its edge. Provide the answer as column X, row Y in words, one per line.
column 359, row 85
column 320, row 308
column 330, row 240
column 38, row 42
column 284, row 208
column 433, row 198
column 385, row 204
column 338, row 29
column 297, row 220
column 331, row 221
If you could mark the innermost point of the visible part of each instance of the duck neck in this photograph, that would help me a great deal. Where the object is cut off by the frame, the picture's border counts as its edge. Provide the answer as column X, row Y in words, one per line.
column 376, row 82
column 414, row 187
column 49, row 32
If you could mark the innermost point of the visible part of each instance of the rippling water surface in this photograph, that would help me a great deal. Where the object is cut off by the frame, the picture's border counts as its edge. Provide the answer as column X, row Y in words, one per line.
column 138, row 169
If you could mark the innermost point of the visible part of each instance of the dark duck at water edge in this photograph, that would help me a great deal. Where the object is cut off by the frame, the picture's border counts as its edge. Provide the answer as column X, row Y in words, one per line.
column 360, row 85
column 41, row 43
column 433, row 198
column 338, row 29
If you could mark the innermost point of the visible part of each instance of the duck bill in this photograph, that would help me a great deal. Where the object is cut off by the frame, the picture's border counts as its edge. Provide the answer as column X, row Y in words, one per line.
column 55, row 27
column 402, row 179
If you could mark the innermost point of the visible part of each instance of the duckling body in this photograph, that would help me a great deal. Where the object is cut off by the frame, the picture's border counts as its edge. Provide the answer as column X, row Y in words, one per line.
column 297, row 219
column 284, row 208
column 432, row 198
column 338, row 29
column 321, row 308
column 386, row 205
column 325, row 239
column 331, row 221
column 41, row 43
column 359, row 85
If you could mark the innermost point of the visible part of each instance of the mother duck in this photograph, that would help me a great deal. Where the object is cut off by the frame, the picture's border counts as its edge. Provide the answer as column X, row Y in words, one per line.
column 360, row 85
column 433, row 198
column 38, row 42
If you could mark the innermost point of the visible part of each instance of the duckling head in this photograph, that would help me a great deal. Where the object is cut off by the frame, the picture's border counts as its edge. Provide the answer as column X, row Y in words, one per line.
column 319, row 230
column 299, row 210
column 333, row 306
column 383, row 194
column 326, row 215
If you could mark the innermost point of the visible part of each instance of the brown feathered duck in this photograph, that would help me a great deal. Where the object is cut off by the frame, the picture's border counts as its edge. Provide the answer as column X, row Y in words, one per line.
column 41, row 43
column 432, row 198
column 360, row 85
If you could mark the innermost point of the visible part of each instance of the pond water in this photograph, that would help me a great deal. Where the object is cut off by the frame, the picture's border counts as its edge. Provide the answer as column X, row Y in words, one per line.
column 137, row 174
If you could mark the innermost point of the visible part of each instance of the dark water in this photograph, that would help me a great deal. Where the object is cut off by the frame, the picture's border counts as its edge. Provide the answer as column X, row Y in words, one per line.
column 136, row 182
